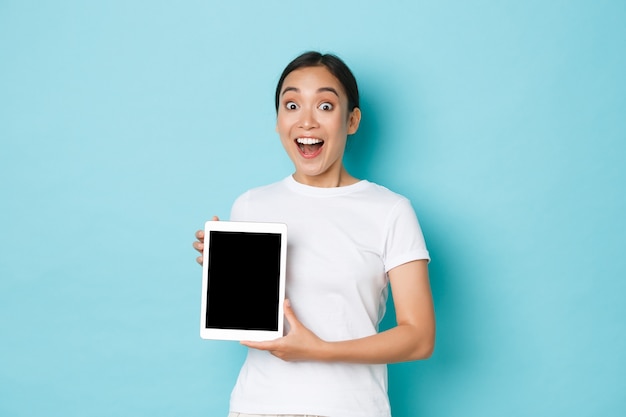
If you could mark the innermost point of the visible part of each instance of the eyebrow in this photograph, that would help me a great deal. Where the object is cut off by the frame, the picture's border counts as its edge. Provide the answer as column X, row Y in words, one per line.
column 319, row 90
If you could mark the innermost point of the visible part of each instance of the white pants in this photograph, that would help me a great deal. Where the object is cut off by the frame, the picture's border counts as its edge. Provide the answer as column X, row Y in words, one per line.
column 269, row 415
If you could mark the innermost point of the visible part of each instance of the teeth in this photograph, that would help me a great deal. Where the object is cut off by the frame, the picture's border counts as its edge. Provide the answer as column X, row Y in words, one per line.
column 308, row 141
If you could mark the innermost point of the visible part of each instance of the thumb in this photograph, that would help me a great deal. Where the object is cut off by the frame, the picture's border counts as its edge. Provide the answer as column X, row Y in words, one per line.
column 289, row 314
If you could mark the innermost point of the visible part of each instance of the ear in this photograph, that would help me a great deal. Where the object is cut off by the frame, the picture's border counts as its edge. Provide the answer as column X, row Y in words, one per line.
column 354, row 120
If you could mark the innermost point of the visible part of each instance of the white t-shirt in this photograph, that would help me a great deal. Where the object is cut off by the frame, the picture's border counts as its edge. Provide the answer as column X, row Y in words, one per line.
column 341, row 244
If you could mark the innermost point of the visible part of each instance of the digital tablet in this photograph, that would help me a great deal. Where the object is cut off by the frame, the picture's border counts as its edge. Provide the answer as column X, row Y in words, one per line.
column 243, row 280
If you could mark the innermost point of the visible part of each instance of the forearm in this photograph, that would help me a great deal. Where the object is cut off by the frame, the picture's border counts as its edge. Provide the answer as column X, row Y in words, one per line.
column 414, row 336
column 398, row 344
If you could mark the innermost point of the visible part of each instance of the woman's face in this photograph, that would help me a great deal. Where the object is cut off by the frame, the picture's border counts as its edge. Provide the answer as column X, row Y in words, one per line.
column 313, row 123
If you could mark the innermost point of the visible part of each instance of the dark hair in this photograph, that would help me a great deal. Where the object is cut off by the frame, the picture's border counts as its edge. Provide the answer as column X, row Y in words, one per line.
column 333, row 64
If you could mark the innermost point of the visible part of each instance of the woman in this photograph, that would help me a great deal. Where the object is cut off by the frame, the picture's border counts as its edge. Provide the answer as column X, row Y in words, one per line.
column 348, row 238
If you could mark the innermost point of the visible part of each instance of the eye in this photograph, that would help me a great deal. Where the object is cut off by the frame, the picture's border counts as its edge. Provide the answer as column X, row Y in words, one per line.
column 290, row 105
column 325, row 106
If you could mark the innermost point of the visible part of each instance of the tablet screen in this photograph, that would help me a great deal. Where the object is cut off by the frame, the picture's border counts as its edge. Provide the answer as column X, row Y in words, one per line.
column 243, row 280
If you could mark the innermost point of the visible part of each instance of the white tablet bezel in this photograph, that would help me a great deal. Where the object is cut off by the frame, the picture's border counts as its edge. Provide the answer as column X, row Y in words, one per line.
column 245, row 227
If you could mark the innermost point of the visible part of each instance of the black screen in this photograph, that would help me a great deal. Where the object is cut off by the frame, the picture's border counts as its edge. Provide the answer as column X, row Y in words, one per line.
column 243, row 280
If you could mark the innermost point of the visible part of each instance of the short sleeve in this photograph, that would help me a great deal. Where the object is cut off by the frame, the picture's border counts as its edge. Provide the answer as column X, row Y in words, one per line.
column 404, row 239
column 239, row 209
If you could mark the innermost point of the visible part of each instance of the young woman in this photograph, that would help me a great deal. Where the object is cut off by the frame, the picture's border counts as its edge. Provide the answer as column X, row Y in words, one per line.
column 348, row 239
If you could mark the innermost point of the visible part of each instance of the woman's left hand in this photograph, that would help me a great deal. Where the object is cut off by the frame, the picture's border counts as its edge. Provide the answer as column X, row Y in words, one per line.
column 299, row 344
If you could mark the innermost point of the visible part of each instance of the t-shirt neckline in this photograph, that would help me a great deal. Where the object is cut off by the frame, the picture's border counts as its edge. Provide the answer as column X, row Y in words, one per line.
column 323, row 191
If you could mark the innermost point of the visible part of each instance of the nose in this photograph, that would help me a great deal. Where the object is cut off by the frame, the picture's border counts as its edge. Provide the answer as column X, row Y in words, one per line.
column 307, row 118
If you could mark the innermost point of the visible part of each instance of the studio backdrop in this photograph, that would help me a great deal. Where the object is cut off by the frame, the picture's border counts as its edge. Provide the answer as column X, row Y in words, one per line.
column 125, row 125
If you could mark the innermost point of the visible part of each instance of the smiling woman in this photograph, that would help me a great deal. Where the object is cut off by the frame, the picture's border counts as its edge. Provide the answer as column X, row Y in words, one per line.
column 349, row 239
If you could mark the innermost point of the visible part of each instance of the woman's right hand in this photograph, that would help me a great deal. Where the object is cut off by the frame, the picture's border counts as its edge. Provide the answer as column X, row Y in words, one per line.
column 199, row 243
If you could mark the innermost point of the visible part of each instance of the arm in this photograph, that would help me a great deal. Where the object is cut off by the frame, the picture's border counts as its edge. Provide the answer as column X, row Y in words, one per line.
column 412, row 338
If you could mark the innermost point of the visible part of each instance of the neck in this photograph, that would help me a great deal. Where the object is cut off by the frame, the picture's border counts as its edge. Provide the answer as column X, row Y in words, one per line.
column 340, row 179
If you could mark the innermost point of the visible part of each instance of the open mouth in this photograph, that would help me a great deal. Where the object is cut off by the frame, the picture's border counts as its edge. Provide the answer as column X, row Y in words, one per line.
column 309, row 147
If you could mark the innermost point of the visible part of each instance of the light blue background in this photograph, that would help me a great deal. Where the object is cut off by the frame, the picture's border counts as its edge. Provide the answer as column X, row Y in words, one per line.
column 124, row 125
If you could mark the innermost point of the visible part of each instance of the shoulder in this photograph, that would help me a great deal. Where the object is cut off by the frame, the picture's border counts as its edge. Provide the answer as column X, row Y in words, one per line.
column 377, row 204
column 381, row 195
column 252, row 203
column 273, row 188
